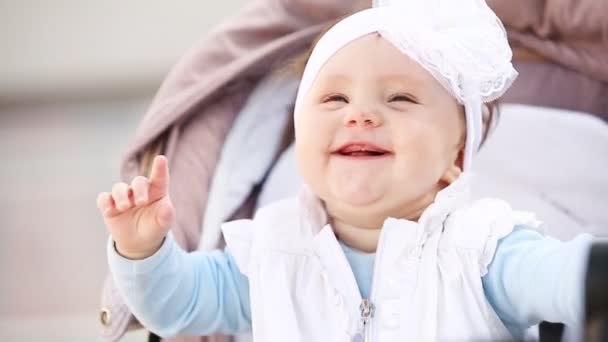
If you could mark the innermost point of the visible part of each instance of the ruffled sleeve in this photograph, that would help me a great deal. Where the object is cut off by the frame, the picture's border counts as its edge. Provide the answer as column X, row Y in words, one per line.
column 239, row 239
column 506, row 220
column 484, row 223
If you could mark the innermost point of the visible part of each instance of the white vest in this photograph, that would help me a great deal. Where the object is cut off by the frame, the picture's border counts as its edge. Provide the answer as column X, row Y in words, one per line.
column 427, row 274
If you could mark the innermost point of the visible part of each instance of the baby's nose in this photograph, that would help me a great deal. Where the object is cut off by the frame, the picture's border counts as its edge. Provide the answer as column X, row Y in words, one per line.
column 359, row 117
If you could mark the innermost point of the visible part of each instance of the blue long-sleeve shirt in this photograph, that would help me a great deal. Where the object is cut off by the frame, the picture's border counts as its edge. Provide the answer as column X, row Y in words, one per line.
column 531, row 278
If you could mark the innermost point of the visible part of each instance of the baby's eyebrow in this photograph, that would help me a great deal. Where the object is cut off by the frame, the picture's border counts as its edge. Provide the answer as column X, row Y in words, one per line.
column 333, row 81
column 338, row 77
column 402, row 79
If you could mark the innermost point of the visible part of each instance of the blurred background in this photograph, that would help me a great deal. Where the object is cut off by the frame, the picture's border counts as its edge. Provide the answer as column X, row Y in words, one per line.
column 75, row 78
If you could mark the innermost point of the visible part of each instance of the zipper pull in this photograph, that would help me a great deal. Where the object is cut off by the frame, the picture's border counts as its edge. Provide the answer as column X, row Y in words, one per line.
column 367, row 312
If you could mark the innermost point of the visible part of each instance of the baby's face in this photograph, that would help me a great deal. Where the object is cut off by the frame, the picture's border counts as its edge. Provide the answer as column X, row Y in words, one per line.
column 377, row 132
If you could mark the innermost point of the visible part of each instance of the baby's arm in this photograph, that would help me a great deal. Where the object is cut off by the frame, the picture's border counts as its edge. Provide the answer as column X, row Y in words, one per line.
column 534, row 278
column 168, row 290
column 173, row 292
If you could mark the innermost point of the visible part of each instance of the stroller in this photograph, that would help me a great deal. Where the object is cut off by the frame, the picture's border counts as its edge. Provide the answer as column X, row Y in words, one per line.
column 221, row 158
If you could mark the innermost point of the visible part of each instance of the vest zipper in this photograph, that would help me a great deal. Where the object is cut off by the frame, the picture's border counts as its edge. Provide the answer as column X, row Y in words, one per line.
column 366, row 310
column 367, row 307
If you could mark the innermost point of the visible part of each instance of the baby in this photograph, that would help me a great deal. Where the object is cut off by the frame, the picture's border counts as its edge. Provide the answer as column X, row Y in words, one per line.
column 382, row 243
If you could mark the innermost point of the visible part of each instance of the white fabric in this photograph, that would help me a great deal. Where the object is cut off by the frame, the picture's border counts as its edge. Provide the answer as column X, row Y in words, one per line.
column 249, row 149
column 283, row 182
column 552, row 162
column 444, row 37
column 427, row 281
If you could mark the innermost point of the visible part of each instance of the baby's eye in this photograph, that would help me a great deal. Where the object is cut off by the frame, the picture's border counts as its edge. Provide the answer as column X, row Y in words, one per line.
column 402, row 98
column 335, row 98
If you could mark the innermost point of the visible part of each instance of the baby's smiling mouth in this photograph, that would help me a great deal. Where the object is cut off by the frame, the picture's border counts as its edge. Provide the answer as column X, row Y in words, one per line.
column 361, row 150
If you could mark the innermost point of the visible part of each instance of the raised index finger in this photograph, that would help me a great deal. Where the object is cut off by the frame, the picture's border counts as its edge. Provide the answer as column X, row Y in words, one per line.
column 159, row 177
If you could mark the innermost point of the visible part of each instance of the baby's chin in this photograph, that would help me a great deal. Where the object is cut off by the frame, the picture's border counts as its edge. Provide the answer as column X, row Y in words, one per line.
column 356, row 195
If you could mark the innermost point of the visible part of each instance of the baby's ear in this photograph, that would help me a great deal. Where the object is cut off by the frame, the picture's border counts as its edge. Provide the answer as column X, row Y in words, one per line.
column 459, row 162
column 451, row 174
column 454, row 170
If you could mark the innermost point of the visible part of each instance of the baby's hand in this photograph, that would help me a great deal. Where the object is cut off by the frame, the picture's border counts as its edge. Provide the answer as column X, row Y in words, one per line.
column 139, row 215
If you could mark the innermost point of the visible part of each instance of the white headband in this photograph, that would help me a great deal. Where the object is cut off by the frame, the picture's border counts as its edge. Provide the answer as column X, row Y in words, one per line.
column 461, row 43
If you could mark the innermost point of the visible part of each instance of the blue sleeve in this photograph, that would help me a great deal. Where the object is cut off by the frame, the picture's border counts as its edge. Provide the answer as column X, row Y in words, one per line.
column 174, row 292
column 534, row 278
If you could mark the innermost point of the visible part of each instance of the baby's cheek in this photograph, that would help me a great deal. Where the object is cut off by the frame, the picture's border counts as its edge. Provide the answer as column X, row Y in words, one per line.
column 421, row 154
column 309, row 160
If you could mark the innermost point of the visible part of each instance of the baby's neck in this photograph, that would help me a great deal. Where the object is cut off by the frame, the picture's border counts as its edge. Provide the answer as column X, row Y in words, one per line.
column 360, row 239
column 363, row 234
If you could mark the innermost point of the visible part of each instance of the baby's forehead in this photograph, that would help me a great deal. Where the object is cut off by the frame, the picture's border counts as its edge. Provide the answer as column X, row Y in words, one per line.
column 374, row 62
column 372, row 56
